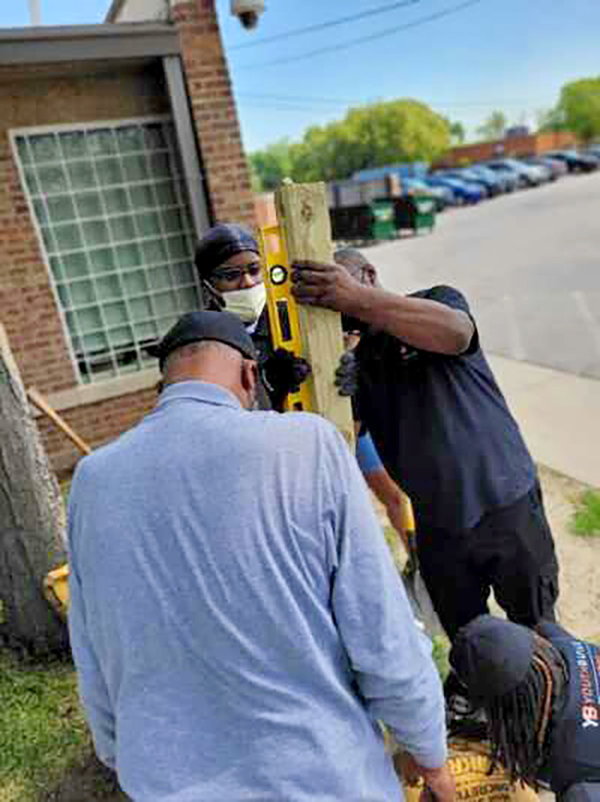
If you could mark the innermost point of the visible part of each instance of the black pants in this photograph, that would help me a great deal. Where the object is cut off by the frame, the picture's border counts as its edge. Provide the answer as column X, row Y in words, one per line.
column 510, row 550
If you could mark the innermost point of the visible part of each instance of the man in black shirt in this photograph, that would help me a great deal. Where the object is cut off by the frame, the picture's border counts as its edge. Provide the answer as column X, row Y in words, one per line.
column 541, row 694
column 445, row 434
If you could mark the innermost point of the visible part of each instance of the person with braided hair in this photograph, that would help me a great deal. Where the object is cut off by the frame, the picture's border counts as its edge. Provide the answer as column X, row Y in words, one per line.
column 540, row 690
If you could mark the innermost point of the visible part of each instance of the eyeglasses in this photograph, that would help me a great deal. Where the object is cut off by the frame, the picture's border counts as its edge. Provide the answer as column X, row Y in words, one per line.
column 235, row 273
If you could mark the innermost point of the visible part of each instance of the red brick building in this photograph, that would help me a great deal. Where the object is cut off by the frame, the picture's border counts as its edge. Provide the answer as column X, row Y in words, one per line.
column 528, row 145
column 119, row 146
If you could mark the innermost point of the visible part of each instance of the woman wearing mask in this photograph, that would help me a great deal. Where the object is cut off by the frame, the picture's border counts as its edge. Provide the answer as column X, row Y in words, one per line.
column 230, row 271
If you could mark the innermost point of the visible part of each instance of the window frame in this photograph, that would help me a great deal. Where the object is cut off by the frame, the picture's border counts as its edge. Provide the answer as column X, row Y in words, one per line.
column 179, row 185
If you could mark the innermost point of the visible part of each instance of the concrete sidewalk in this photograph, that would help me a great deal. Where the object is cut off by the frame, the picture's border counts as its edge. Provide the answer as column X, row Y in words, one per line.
column 559, row 415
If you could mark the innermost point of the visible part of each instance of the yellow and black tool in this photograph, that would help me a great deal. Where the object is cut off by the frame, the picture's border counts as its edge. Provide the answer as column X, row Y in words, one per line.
column 282, row 308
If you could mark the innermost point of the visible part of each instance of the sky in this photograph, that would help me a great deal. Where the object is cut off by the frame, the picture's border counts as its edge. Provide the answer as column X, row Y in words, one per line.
column 473, row 57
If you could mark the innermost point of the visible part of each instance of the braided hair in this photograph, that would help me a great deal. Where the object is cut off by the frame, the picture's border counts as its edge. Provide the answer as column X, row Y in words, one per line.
column 519, row 722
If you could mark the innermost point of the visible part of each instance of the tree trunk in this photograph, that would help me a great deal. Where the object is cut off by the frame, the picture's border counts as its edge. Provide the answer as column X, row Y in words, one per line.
column 32, row 524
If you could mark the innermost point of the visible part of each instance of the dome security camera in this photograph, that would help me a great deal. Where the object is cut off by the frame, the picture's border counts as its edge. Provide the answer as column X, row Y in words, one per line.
column 248, row 11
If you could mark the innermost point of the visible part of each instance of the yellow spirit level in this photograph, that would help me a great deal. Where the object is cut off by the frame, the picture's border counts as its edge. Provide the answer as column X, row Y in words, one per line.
column 282, row 308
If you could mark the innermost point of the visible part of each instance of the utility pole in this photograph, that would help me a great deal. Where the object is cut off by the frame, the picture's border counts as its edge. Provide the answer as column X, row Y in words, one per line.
column 35, row 13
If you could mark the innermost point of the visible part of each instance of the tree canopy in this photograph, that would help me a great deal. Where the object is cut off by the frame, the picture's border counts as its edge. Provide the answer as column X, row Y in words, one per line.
column 577, row 110
column 272, row 164
column 368, row 136
column 494, row 126
column 457, row 133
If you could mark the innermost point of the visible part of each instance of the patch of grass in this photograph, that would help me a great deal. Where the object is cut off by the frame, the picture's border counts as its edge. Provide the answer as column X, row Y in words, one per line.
column 586, row 519
column 65, row 487
column 42, row 729
column 441, row 651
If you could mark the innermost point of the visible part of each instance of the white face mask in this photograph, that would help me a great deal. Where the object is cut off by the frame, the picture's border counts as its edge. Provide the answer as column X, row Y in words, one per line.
column 246, row 304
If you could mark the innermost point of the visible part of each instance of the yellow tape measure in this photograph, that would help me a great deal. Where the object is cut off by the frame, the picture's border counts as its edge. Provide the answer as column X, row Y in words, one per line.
column 282, row 308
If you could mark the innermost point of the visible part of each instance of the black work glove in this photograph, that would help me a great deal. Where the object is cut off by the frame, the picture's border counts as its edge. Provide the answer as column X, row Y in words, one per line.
column 283, row 373
column 346, row 374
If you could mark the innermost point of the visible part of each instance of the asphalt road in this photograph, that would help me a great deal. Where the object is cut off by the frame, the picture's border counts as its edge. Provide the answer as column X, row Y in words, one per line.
column 529, row 264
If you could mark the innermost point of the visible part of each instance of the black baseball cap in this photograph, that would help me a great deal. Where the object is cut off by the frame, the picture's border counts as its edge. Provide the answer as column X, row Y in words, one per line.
column 492, row 656
column 222, row 327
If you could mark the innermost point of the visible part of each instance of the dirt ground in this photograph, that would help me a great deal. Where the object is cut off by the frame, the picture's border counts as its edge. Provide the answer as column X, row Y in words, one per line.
column 86, row 781
column 579, row 611
column 579, row 559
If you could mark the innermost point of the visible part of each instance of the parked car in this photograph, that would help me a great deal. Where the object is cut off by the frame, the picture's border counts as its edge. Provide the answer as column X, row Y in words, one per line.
column 490, row 183
column 443, row 196
column 576, row 162
column 556, row 167
column 544, row 171
column 529, row 175
column 450, row 196
column 466, row 193
column 511, row 179
column 505, row 183
column 458, row 175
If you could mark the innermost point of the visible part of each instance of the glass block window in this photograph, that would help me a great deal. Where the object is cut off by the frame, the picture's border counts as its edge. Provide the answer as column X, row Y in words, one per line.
column 111, row 209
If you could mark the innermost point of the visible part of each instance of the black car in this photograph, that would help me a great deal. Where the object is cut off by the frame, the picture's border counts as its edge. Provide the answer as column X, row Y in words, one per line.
column 576, row 162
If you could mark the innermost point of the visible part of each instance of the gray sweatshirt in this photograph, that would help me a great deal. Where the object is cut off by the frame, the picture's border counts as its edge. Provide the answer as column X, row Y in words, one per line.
column 236, row 620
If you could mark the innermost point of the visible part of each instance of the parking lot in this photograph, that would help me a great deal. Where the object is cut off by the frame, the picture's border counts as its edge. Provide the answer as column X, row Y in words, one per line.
column 529, row 264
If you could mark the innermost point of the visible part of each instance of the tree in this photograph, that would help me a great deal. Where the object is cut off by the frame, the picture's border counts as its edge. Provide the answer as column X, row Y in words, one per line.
column 372, row 136
column 577, row 110
column 494, row 126
column 369, row 136
column 457, row 133
column 31, row 524
column 272, row 164
column 550, row 120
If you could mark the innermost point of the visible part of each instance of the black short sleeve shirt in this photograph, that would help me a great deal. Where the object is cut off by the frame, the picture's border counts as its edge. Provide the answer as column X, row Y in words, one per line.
column 442, row 426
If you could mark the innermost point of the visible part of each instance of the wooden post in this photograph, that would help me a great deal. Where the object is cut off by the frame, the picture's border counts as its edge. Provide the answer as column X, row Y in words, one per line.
column 304, row 219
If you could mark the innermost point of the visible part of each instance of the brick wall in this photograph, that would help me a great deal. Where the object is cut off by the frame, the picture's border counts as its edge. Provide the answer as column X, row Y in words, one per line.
column 48, row 95
column 264, row 209
column 531, row 145
column 214, row 111
column 31, row 97
column 36, row 96
column 96, row 423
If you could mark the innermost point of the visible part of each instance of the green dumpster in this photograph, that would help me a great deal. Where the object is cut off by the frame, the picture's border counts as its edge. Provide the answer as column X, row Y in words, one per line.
column 384, row 219
column 415, row 212
column 425, row 212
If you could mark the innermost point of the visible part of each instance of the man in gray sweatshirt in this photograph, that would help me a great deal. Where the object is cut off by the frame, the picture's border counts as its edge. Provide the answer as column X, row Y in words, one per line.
column 236, row 619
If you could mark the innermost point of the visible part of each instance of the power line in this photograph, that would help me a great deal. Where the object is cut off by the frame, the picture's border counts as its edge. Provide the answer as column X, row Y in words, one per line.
column 312, row 101
column 363, row 39
column 321, row 26
column 331, row 101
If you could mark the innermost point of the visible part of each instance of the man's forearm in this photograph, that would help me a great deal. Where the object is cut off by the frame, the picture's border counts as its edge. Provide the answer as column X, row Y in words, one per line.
column 424, row 324
column 392, row 498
